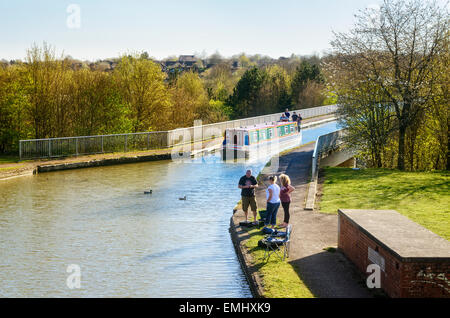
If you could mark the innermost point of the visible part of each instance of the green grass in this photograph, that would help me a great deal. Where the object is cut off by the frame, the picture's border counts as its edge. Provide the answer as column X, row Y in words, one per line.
column 11, row 168
column 424, row 197
column 330, row 249
column 280, row 277
column 8, row 159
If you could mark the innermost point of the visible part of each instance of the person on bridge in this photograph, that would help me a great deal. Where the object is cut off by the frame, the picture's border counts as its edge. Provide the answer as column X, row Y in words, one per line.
column 287, row 114
column 283, row 117
column 297, row 118
column 248, row 184
column 285, row 197
column 273, row 202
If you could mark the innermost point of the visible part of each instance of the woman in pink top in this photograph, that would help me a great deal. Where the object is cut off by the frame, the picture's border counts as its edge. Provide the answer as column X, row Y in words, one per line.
column 285, row 197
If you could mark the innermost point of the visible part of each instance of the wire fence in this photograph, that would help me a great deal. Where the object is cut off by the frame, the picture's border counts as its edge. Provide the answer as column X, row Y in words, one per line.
column 88, row 145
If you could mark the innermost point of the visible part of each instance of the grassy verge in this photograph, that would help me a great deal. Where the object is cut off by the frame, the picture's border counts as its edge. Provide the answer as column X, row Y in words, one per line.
column 11, row 168
column 8, row 159
column 421, row 196
column 280, row 277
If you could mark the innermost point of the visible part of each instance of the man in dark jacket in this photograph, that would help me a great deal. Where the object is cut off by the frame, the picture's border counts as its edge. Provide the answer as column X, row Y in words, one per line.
column 248, row 184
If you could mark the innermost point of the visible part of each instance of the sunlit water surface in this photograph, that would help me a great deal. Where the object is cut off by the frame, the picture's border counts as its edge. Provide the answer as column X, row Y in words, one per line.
column 126, row 243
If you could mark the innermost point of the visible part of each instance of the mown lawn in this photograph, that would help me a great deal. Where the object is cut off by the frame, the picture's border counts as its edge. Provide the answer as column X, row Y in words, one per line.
column 279, row 277
column 424, row 197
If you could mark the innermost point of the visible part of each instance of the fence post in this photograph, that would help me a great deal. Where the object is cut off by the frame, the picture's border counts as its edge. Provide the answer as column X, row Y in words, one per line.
column 49, row 148
column 20, row 150
column 126, row 143
column 148, row 141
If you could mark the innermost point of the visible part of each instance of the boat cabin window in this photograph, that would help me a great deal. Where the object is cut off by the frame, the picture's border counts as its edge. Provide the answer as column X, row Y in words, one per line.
column 235, row 140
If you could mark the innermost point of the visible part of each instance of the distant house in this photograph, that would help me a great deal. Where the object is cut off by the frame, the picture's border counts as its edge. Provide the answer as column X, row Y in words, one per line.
column 76, row 65
column 170, row 63
column 187, row 60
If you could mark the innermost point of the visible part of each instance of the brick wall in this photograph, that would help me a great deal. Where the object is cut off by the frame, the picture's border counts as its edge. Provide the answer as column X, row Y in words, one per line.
column 416, row 277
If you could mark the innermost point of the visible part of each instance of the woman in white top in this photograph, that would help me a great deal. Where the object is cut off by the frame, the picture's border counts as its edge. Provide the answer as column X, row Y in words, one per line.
column 273, row 202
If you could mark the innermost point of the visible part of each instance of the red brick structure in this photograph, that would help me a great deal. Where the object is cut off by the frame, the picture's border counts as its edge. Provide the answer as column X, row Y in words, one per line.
column 413, row 261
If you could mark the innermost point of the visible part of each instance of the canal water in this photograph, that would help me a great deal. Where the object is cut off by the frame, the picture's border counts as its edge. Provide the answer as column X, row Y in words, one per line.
column 125, row 243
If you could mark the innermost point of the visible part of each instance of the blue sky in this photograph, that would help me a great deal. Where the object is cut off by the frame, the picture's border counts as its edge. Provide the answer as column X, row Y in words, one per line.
column 162, row 28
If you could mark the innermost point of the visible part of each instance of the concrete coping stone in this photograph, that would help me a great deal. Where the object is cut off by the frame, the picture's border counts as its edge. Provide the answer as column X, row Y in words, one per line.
column 404, row 238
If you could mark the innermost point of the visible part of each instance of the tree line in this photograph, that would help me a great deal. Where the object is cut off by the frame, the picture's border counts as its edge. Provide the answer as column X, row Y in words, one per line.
column 45, row 97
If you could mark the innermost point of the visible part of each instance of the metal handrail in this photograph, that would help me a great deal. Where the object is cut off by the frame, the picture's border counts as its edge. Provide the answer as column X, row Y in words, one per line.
column 68, row 146
column 323, row 143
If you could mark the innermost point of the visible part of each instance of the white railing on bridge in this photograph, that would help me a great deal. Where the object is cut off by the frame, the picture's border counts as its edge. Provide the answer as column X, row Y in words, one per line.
column 87, row 145
column 324, row 144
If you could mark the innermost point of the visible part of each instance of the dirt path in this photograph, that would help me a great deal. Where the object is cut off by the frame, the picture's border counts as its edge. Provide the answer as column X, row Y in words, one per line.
column 327, row 274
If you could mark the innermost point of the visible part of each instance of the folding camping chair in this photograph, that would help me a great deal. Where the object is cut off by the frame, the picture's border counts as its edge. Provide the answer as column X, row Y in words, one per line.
column 273, row 243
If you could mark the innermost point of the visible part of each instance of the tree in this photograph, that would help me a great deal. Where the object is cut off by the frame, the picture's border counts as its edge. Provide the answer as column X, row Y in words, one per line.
column 274, row 95
column 398, row 49
column 220, row 80
column 246, row 93
column 98, row 106
column 305, row 74
column 189, row 100
column 142, row 86
column 13, row 105
column 46, row 82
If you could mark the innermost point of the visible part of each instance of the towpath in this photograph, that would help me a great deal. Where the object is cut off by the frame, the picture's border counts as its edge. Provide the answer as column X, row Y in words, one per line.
column 327, row 273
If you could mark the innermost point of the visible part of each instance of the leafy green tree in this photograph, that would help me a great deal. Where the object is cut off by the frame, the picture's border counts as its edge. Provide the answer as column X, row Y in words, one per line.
column 142, row 86
column 304, row 75
column 189, row 99
column 45, row 82
column 14, row 123
column 274, row 95
column 245, row 94
column 98, row 106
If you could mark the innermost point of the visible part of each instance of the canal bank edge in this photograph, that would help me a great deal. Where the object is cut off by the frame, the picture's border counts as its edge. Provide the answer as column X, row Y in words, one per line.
column 33, row 167
column 252, row 275
column 99, row 163
column 253, row 278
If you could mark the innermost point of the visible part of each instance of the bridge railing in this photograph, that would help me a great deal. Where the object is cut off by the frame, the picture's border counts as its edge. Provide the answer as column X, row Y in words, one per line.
column 324, row 144
column 87, row 145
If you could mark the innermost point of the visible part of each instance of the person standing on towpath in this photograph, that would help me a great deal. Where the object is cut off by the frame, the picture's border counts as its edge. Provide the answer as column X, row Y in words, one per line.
column 285, row 197
column 273, row 202
column 248, row 184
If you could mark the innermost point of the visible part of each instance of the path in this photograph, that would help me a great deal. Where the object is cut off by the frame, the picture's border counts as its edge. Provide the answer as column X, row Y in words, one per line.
column 327, row 274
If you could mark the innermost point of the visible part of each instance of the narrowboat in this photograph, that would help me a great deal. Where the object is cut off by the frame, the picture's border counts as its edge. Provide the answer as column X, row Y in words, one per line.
column 260, row 140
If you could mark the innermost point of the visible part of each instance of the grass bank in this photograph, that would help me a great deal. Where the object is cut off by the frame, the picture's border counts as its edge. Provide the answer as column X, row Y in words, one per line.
column 8, row 159
column 424, row 197
column 279, row 277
